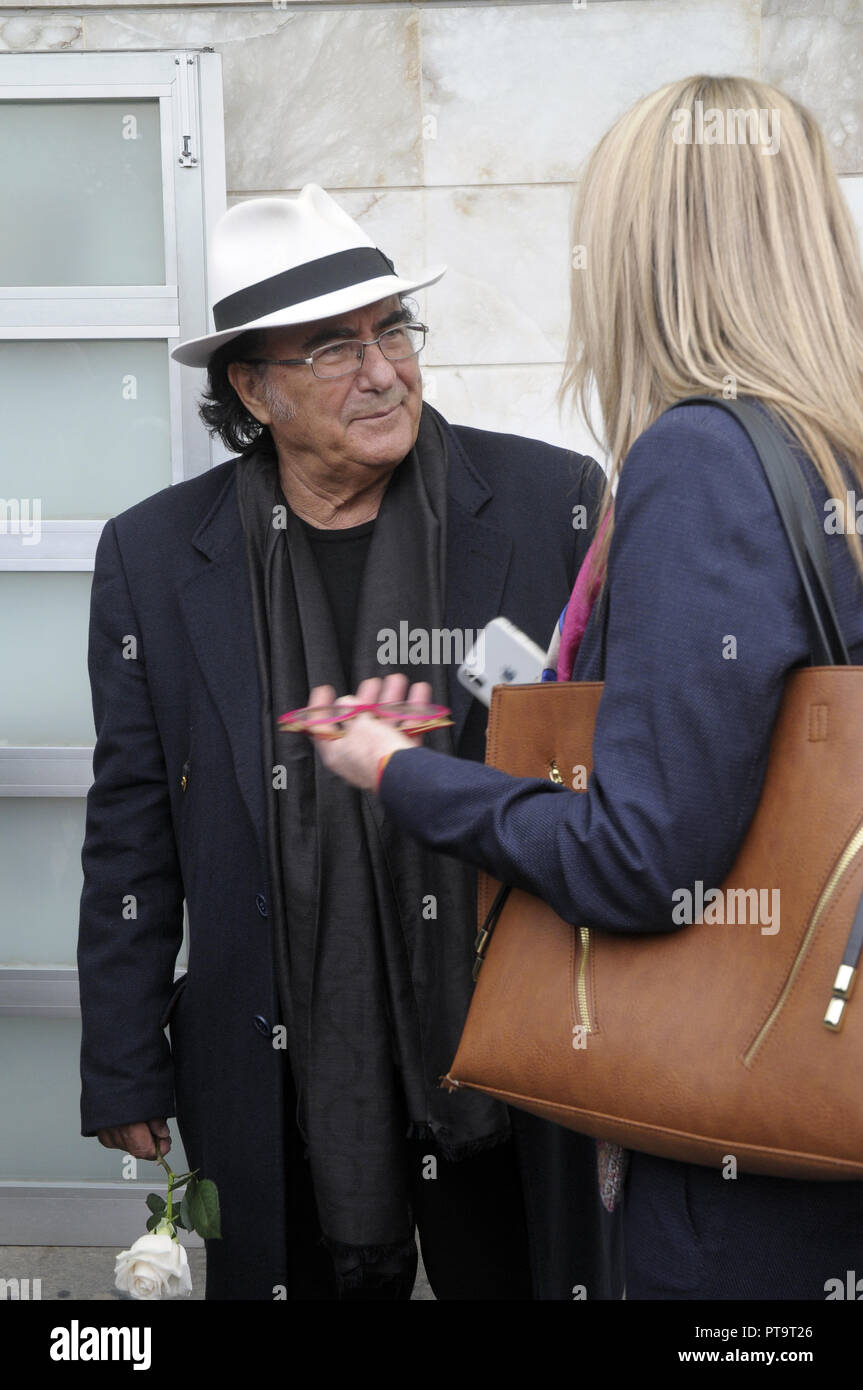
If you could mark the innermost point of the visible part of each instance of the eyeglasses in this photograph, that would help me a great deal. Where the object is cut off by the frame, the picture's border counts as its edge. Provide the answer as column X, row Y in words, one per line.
column 345, row 357
column 327, row 721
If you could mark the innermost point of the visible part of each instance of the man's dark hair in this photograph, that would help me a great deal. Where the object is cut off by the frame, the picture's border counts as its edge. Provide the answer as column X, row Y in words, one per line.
column 220, row 407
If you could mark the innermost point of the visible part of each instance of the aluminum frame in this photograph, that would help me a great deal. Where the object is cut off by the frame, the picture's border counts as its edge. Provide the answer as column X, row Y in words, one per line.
column 187, row 84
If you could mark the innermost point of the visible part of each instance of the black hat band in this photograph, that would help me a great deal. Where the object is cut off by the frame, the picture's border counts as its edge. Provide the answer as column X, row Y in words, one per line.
column 304, row 282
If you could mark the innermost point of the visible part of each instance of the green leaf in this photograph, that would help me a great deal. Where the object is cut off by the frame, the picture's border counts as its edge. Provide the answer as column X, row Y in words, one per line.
column 153, row 1221
column 156, row 1203
column 186, row 1206
column 204, row 1210
column 178, row 1220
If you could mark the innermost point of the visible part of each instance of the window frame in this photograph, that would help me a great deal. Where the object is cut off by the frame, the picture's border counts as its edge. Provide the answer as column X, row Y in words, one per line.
column 188, row 86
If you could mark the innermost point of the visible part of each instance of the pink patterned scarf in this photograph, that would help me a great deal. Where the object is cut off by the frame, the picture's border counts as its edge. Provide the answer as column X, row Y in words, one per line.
column 611, row 1159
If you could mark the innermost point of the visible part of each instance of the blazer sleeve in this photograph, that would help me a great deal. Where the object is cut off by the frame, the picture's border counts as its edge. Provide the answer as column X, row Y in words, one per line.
column 705, row 622
column 131, row 912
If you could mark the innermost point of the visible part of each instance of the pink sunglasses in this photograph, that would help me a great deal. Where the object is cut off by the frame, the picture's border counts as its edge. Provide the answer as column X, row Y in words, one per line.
column 328, row 721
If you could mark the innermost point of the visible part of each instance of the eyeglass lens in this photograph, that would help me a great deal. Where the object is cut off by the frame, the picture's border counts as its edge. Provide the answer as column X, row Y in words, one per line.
column 397, row 343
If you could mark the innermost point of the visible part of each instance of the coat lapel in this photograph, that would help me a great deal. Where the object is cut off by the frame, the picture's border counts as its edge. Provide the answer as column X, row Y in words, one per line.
column 478, row 557
column 217, row 606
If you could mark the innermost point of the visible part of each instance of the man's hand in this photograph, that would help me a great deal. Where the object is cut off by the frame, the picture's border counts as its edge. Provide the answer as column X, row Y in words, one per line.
column 137, row 1139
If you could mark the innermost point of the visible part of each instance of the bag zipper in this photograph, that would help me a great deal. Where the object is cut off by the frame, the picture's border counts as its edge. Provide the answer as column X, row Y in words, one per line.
column 843, row 981
column 583, row 1008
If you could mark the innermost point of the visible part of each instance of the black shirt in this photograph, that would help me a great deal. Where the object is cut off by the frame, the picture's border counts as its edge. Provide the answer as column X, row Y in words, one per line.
column 341, row 558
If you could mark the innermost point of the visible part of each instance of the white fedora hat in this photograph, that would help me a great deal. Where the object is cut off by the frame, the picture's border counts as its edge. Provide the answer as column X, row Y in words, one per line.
column 280, row 261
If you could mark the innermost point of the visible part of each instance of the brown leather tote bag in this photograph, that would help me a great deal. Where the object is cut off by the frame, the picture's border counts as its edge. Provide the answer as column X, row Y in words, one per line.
column 716, row 1038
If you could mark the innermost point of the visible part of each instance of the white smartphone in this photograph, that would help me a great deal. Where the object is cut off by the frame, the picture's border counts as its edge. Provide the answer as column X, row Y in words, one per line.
column 501, row 655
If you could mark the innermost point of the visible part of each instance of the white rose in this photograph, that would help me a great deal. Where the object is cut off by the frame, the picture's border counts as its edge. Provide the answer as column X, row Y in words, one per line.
column 157, row 1266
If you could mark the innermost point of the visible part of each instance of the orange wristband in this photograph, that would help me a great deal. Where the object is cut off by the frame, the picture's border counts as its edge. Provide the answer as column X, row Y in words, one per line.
column 382, row 762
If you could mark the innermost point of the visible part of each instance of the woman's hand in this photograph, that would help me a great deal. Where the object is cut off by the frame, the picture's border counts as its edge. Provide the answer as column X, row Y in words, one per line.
column 356, row 756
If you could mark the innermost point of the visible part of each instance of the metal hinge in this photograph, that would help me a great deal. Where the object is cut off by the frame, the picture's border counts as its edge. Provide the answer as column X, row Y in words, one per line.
column 188, row 93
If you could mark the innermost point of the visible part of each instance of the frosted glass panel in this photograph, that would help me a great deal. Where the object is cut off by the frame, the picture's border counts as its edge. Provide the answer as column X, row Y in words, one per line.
column 40, row 1087
column 40, row 870
column 82, row 193
column 86, row 426
column 44, row 686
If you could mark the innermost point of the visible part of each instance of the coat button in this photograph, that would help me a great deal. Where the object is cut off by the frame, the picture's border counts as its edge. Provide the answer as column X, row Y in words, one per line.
column 262, row 1025
column 261, row 904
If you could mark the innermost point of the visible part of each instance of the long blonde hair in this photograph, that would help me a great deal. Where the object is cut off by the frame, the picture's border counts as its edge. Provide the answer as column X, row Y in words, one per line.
column 699, row 265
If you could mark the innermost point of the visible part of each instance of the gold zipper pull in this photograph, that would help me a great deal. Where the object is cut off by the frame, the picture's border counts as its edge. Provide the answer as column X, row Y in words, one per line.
column 847, row 972
column 842, row 987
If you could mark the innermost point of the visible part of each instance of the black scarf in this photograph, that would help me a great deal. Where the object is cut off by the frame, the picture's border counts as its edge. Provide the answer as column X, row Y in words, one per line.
column 373, row 933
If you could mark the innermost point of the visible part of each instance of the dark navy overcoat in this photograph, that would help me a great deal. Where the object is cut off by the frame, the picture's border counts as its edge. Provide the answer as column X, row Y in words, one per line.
column 177, row 811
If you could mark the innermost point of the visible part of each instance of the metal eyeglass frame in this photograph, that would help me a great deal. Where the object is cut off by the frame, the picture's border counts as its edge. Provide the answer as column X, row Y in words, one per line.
column 344, row 342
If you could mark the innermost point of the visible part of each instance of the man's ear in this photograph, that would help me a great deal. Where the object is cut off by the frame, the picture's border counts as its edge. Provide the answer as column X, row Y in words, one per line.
column 247, row 382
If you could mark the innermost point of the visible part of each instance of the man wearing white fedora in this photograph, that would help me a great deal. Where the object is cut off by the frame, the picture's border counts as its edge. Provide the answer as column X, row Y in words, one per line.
column 329, row 954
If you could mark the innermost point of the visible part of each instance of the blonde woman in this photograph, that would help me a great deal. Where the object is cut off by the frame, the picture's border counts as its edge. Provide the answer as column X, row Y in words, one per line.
column 711, row 262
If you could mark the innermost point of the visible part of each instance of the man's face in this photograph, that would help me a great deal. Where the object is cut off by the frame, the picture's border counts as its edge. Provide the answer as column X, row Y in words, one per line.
column 369, row 418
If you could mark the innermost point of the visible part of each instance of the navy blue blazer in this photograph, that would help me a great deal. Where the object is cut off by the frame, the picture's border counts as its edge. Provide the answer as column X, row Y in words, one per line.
column 681, row 743
column 177, row 811
column 682, row 733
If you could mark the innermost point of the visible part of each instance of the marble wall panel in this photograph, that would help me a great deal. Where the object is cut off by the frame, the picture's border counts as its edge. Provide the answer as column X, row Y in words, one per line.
column 813, row 50
column 505, row 297
column 329, row 96
column 40, row 32
column 510, row 400
column 521, row 94
column 453, row 133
